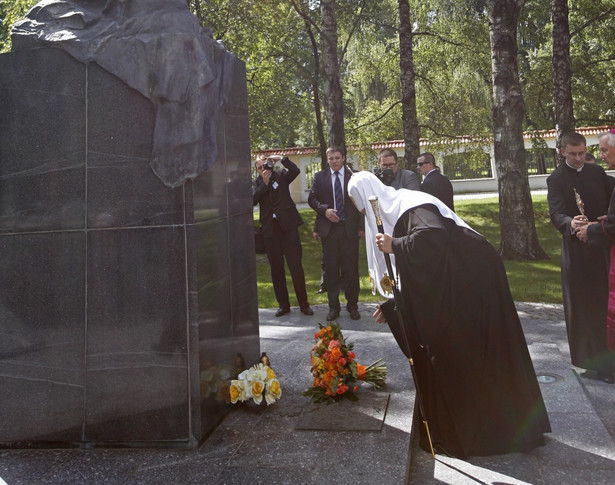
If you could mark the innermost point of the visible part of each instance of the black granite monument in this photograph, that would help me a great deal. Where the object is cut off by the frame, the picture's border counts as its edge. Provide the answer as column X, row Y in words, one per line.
column 127, row 270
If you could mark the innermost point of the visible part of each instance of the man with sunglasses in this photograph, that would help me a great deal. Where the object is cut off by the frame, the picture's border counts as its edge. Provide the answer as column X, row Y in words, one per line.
column 434, row 182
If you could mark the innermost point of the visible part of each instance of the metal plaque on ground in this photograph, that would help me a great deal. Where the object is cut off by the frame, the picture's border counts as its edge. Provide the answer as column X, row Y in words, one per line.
column 366, row 414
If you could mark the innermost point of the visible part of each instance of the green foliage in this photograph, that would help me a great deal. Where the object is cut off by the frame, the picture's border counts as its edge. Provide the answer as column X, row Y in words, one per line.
column 452, row 61
column 531, row 281
column 10, row 12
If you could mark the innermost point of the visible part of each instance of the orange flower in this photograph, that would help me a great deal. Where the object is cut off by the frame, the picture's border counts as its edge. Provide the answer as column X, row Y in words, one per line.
column 336, row 354
column 360, row 371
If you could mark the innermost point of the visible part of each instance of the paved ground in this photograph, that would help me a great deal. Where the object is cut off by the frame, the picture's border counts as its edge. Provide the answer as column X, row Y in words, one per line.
column 261, row 445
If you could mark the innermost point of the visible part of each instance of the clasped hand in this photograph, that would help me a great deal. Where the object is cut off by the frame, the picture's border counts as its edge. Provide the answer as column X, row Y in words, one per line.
column 580, row 224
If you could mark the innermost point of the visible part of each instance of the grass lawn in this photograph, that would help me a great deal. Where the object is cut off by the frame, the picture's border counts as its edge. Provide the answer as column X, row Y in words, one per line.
column 531, row 281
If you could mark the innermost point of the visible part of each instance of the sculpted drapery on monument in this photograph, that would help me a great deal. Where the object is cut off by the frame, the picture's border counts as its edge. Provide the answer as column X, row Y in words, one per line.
column 158, row 48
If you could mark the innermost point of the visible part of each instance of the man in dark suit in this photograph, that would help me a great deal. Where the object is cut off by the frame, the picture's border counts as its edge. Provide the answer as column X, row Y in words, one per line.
column 339, row 226
column 280, row 220
column 434, row 182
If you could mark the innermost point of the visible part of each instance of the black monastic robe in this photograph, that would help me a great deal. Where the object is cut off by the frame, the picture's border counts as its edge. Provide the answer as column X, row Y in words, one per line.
column 473, row 368
column 584, row 268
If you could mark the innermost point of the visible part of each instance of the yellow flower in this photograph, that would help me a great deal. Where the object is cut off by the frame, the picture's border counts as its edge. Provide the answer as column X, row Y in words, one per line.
column 237, row 391
column 257, row 388
column 270, row 373
column 274, row 391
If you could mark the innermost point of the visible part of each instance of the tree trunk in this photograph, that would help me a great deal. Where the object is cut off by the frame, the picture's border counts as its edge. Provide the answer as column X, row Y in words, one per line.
column 334, row 106
column 322, row 142
column 562, row 89
column 408, row 89
column 517, row 229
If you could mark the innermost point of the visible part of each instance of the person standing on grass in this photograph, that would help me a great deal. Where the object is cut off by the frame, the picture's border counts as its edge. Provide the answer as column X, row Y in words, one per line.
column 339, row 227
column 280, row 220
column 578, row 193
column 392, row 175
column 434, row 182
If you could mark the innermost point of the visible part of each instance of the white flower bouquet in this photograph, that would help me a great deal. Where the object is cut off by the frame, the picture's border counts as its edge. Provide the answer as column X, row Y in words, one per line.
column 255, row 383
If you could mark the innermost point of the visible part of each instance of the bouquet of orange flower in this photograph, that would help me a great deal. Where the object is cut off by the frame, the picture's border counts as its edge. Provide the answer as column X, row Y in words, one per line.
column 335, row 369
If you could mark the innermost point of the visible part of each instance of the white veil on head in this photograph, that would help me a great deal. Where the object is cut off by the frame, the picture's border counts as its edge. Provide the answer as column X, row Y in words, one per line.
column 393, row 204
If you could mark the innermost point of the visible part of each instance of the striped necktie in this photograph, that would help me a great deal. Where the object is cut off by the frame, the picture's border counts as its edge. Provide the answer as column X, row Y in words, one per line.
column 339, row 197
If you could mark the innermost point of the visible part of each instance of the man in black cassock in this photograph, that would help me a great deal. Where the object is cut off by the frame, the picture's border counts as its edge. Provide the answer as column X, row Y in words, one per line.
column 584, row 268
column 473, row 370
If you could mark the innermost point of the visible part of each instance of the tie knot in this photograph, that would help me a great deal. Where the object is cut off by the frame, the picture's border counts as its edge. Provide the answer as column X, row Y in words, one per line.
column 337, row 173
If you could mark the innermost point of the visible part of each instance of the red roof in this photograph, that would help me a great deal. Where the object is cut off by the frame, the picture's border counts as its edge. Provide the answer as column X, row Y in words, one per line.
column 587, row 131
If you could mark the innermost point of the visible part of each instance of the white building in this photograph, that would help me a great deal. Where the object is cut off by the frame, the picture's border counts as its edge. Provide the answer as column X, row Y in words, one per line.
column 540, row 146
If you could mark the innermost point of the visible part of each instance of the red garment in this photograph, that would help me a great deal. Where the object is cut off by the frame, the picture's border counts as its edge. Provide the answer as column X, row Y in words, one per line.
column 610, row 317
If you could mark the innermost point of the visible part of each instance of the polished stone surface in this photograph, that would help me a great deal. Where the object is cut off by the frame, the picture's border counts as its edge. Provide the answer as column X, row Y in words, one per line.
column 124, row 302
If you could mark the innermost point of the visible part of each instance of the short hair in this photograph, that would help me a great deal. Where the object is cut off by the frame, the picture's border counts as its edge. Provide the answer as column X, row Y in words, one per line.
column 573, row 138
column 589, row 157
column 387, row 152
column 429, row 158
column 336, row 149
column 610, row 137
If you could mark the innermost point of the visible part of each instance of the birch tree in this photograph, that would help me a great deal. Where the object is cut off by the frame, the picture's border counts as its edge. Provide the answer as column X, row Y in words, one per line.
column 518, row 233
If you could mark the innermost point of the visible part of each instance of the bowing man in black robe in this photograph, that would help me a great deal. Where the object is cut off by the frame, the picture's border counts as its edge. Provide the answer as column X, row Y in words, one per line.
column 472, row 366
column 584, row 268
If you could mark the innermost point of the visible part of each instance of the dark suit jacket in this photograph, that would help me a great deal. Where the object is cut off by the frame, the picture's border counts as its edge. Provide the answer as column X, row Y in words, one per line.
column 274, row 198
column 439, row 186
column 321, row 198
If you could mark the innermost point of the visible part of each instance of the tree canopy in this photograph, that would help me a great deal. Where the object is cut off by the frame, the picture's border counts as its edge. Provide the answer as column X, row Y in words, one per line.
column 451, row 61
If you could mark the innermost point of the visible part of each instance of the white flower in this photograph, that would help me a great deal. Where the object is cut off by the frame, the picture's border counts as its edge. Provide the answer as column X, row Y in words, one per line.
column 254, row 373
column 237, row 391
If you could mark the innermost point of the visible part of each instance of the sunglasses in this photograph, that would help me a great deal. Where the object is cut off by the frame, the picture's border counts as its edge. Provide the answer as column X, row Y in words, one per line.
column 420, row 164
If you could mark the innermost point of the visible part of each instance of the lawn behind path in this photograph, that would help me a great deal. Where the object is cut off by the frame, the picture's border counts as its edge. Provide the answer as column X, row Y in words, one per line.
column 530, row 281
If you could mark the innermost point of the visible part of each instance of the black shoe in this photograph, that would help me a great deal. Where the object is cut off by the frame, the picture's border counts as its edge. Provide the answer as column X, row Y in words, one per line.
column 321, row 290
column 608, row 378
column 282, row 311
column 306, row 310
column 354, row 314
column 332, row 315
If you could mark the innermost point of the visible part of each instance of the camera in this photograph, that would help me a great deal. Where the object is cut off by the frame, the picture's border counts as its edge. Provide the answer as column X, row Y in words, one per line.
column 385, row 175
column 268, row 165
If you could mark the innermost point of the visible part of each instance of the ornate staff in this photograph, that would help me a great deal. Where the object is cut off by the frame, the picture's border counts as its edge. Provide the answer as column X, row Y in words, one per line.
column 579, row 201
column 373, row 200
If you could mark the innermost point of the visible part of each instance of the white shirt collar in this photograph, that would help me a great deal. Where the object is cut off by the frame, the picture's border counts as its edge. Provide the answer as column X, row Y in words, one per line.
column 341, row 171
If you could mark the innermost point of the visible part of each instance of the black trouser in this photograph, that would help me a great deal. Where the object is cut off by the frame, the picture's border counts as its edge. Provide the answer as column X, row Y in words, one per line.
column 286, row 245
column 342, row 263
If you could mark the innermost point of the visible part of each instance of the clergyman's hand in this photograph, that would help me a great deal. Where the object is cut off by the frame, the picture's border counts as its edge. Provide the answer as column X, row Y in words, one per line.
column 582, row 232
column 384, row 243
column 578, row 222
column 379, row 315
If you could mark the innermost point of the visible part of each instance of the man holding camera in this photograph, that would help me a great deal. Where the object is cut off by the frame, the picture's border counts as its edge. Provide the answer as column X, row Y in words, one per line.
column 280, row 221
column 390, row 174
